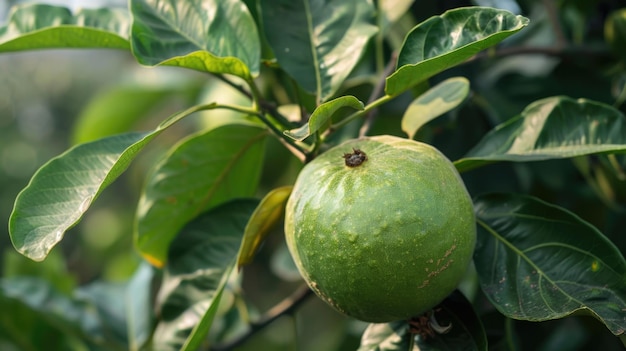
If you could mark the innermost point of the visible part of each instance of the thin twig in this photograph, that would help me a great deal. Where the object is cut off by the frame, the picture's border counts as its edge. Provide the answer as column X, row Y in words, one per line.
column 285, row 307
column 376, row 93
column 265, row 105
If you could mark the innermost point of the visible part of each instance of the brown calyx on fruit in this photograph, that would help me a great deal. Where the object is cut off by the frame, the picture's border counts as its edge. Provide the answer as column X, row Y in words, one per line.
column 355, row 159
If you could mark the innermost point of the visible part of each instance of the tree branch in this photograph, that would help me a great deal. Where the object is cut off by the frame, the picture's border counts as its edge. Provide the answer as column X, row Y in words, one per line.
column 285, row 307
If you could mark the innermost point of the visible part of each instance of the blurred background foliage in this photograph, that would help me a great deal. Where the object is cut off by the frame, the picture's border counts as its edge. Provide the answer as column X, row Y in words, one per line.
column 50, row 100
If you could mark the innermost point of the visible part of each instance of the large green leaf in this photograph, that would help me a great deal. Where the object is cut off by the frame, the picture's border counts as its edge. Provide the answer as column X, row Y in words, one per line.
column 556, row 127
column 38, row 26
column 445, row 41
column 200, row 260
column 538, row 262
column 433, row 103
column 201, row 172
column 320, row 119
column 318, row 42
column 205, row 35
column 63, row 189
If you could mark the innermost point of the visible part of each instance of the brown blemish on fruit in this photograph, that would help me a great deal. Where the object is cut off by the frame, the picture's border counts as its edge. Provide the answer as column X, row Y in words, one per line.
column 442, row 265
column 355, row 159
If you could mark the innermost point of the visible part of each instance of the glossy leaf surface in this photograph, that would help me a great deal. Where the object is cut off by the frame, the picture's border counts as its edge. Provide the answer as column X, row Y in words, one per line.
column 200, row 260
column 445, row 41
column 320, row 119
column 438, row 100
column 205, row 35
column 537, row 262
column 552, row 128
column 317, row 42
column 265, row 216
column 63, row 189
column 39, row 26
column 199, row 173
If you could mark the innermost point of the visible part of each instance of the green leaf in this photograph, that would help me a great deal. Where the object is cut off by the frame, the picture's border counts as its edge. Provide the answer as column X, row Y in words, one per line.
column 199, row 263
column 200, row 172
column 63, row 189
column 320, row 119
column 537, row 262
column 38, row 26
column 205, row 35
column 262, row 221
column 316, row 42
column 552, row 128
column 445, row 41
column 435, row 102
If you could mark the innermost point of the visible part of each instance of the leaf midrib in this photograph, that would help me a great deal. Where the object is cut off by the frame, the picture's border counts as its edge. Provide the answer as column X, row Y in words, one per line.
column 531, row 263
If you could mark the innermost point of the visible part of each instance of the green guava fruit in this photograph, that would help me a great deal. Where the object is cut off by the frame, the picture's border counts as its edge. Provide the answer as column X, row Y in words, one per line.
column 381, row 228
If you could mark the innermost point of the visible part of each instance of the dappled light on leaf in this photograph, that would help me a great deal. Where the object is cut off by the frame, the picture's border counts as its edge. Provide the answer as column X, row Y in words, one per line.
column 552, row 128
column 210, row 36
column 445, row 41
column 438, row 100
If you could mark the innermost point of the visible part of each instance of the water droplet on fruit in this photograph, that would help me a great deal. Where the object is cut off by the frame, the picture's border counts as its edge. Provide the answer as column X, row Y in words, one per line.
column 352, row 237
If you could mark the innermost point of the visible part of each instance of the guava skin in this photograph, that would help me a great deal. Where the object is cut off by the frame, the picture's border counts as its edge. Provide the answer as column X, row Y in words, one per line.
column 385, row 240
